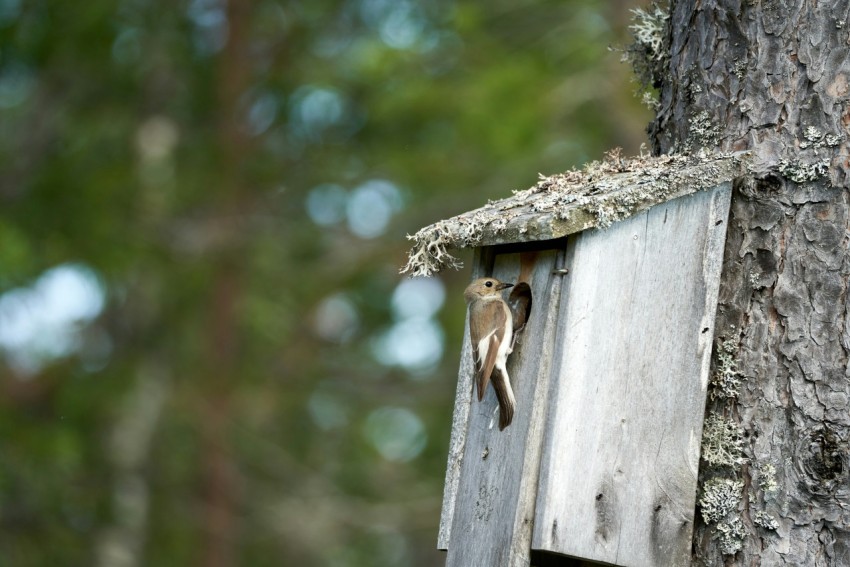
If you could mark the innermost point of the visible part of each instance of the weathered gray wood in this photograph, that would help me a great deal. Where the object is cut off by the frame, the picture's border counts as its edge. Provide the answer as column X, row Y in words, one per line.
column 565, row 204
column 619, row 474
column 491, row 520
column 460, row 416
column 463, row 397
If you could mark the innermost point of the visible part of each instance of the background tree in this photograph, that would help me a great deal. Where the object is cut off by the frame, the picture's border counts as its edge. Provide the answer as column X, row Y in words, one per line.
column 206, row 353
column 772, row 78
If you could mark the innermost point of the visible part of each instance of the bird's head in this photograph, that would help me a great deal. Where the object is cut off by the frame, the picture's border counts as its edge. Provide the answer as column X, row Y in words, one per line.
column 484, row 288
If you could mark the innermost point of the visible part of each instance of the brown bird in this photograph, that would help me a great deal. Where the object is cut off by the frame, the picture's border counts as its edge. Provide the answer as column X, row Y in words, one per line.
column 491, row 330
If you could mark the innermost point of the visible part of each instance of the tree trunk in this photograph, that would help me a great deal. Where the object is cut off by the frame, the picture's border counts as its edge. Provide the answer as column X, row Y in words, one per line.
column 220, row 475
column 773, row 78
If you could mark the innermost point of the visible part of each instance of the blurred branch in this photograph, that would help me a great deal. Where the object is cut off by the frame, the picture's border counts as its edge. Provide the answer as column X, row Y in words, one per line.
column 122, row 544
column 220, row 477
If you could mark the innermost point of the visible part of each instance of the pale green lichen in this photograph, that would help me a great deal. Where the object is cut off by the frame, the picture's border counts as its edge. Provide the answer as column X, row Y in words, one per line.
column 726, row 380
column 720, row 497
column 649, row 27
column 598, row 195
column 800, row 172
column 722, row 442
column 430, row 254
column 702, row 132
column 650, row 100
column 648, row 54
column 812, row 134
column 754, row 281
column 723, row 447
column 739, row 69
column 767, row 477
column 832, row 140
column 719, row 504
column 814, row 138
column 731, row 534
column 765, row 520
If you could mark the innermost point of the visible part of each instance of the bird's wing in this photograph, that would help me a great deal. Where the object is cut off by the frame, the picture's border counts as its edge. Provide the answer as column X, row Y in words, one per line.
column 505, row 395
column 485, row 342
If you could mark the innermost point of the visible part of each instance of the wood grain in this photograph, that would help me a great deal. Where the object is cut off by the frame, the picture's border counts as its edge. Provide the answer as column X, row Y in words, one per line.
column 619, row 473
column 460, row 416
column 490, row 522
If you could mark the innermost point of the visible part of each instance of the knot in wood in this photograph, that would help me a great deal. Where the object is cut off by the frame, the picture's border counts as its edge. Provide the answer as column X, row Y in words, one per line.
column 822, row 461
column 769, row 184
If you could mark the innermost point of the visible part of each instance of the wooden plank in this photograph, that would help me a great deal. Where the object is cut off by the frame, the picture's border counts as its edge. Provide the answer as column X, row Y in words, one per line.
column 620, row 459
column 481, row 265
column 491, row 521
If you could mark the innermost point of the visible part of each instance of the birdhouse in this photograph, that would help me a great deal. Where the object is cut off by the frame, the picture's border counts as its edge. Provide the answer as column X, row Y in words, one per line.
column 622, row 263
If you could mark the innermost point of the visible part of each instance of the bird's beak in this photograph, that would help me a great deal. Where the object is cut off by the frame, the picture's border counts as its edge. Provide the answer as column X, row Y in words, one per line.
column 504, row 285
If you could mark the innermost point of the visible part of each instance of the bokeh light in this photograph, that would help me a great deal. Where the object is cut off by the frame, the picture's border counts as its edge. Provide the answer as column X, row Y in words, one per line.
column 43, row 322
column 336, row 318
column 418, row 298
column 371, row 207
column 326, row 204
column 396, row 433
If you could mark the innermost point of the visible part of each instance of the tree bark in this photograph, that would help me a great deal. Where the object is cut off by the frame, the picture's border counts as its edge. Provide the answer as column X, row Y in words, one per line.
column 773, row 78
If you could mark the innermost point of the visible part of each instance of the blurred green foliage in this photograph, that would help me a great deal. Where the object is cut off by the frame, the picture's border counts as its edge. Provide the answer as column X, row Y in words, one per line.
column 205, row 354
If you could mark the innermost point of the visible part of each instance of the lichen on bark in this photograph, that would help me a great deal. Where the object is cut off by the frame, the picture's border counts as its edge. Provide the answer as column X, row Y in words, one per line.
column 774, row 78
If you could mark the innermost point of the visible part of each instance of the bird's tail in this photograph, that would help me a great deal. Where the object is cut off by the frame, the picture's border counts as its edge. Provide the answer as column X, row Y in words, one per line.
column 481, row 380
column 505, row 395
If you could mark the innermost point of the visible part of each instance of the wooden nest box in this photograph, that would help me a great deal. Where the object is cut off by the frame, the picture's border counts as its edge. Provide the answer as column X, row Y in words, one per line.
column 610, row 374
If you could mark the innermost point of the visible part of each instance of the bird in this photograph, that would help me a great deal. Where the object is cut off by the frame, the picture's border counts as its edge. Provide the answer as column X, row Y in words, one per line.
column 491, row 331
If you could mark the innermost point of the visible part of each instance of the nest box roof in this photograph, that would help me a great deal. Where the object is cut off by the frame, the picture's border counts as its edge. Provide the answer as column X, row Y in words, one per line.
column 595, row 197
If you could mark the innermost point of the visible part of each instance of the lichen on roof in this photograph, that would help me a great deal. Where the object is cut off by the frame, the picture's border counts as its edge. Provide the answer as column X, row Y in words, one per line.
column 596, row 196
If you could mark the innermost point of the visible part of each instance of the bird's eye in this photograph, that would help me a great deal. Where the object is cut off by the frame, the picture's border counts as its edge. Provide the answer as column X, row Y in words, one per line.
column 488, row 283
